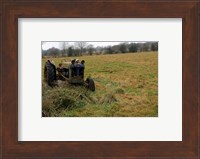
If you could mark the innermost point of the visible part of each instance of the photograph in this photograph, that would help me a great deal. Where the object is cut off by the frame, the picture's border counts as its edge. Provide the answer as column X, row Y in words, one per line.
column 99, row 78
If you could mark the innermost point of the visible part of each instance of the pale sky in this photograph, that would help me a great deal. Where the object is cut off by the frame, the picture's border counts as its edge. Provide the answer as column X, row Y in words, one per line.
column 48, row 45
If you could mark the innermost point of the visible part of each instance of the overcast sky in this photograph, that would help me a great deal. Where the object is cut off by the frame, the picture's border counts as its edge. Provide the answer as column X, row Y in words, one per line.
column 48, row 45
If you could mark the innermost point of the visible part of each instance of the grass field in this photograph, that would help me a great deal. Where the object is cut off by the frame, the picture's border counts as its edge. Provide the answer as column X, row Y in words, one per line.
column 126, row 85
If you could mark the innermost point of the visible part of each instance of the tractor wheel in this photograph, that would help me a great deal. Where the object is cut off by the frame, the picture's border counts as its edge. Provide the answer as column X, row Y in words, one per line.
column 91, row 84
column 50, row 73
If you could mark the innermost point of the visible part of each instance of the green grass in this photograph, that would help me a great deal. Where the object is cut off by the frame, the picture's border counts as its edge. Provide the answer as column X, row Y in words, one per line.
column 126, row 85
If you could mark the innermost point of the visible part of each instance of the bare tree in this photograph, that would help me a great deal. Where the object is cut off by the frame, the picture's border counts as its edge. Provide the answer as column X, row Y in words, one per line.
column 123, row 47
column 99, row 49
column 90, row 49
column 64, row 46
column 81, row 45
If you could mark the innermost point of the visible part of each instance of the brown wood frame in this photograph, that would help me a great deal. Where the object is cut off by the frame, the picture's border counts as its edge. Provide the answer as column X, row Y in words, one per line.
column 11, row 10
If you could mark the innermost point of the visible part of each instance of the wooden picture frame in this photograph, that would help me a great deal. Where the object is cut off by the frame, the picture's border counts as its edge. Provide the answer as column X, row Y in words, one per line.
column 11, row 10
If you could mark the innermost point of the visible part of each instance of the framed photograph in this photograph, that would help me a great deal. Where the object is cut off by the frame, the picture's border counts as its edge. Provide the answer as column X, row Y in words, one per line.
column 83, row 84
column 102, row 79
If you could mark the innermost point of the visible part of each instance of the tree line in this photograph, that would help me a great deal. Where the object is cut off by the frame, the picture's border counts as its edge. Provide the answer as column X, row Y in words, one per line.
column 85, row 48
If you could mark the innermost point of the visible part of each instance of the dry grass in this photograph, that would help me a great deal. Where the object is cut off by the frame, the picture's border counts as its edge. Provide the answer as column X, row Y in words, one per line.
column 126, row 85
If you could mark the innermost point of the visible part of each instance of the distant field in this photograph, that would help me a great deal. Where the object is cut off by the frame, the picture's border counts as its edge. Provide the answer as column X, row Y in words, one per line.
column 126, row 85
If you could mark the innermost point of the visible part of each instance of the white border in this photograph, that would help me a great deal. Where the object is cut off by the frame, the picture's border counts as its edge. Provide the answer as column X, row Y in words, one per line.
column 166, row 127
